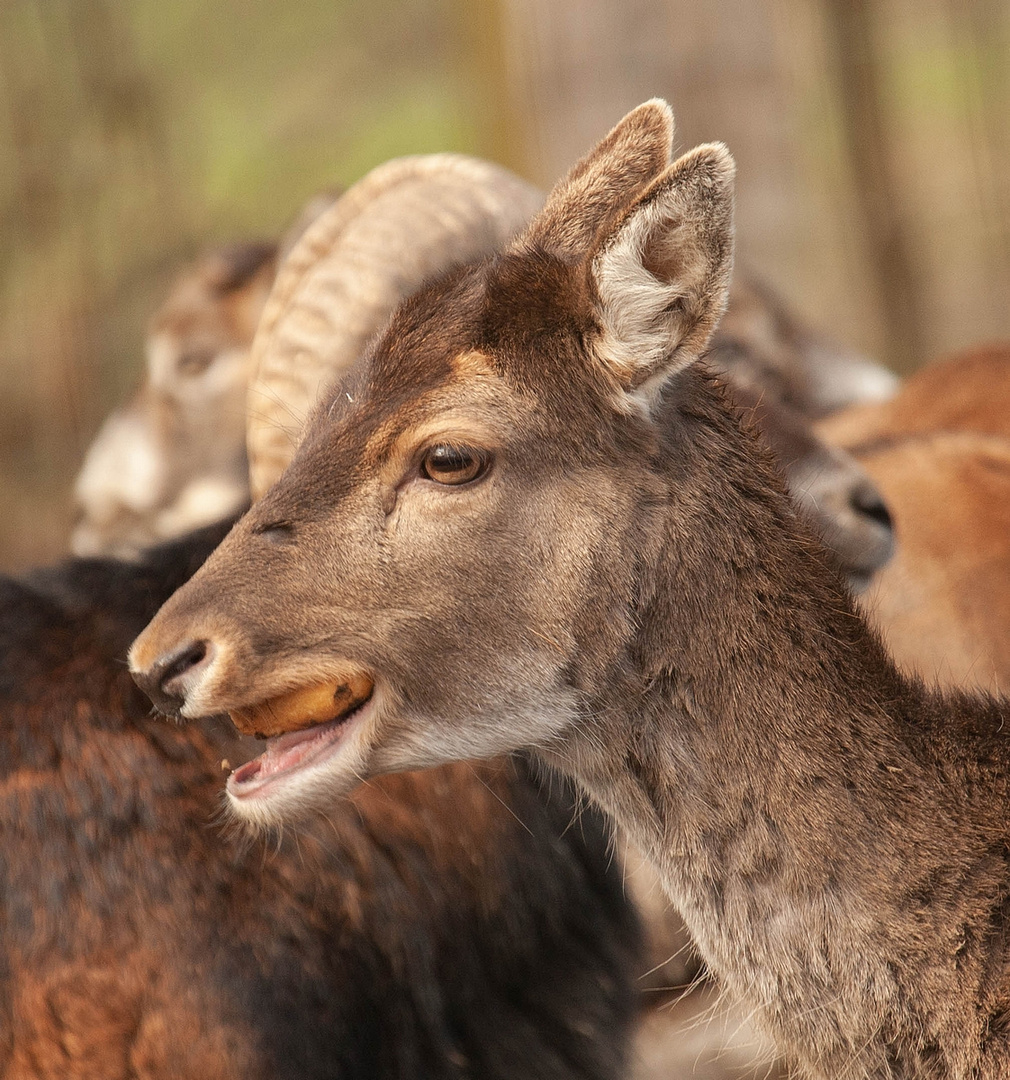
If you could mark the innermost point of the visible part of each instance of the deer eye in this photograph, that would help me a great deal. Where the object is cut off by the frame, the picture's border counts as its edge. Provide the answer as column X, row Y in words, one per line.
column 195, row 361
column 448, row 464
column 277, row 532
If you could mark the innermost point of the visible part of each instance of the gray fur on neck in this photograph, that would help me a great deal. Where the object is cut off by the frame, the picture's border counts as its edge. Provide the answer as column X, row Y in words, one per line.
column 823, row 824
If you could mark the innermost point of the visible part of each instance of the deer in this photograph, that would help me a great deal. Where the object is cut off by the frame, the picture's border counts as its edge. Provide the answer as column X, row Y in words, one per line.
column 173, row 458
column 530, row 517
column 776, row 366
column 385, row 939
column 940, row 452
column 345, row 258
column 312, row 327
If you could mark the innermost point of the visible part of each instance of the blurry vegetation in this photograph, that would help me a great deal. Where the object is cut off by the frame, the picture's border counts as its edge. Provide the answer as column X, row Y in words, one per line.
column 871, row 138
column 135, row 132
column 871, row 135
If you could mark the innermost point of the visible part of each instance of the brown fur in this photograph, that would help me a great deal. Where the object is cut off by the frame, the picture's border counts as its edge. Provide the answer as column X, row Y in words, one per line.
column 940, row 451
column 447, row 924
column 827, row 484
column 966, row 392
column 628, row 590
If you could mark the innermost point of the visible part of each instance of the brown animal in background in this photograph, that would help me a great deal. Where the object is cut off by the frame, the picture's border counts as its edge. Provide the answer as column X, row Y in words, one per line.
column 966, row 392
column 940, row 452
column 827, row 484
column 530, row 488
column 448, row 924
column 174, row 457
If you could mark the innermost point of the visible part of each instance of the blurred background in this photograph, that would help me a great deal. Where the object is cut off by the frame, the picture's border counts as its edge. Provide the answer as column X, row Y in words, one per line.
column 872, row 139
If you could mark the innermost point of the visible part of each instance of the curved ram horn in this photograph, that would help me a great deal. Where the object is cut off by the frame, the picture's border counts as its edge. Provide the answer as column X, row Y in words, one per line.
column 404, row 222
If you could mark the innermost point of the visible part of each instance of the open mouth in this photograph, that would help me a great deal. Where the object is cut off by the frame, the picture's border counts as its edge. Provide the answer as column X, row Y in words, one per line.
column 299, row 727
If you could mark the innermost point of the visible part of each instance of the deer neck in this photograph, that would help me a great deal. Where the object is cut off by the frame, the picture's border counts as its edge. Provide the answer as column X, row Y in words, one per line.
column 775, row 768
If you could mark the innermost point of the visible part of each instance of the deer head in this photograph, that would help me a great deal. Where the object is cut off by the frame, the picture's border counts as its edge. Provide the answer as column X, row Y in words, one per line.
column 447, row 568
column 173, row 457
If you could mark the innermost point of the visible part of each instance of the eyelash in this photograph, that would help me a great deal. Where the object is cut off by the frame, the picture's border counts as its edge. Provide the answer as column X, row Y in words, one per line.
column 453, row 465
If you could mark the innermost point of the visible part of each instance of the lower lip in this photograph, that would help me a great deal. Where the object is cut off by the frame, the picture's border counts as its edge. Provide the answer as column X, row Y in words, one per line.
column 289, row 754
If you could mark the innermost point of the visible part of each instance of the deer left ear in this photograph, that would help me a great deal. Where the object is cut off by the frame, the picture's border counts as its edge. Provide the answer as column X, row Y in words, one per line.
column 662, row 273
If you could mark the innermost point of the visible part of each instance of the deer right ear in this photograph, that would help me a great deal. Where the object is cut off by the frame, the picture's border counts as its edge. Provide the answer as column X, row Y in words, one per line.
column 661, row 274
column 656, row 241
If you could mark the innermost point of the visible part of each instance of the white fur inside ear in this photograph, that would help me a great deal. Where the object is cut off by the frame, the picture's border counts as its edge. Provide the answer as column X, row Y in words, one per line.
column 635, row 305
column 643, row 319
column 662, row 276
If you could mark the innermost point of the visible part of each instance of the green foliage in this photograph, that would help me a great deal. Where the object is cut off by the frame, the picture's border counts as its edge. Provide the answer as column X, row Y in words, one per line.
column 134, row 132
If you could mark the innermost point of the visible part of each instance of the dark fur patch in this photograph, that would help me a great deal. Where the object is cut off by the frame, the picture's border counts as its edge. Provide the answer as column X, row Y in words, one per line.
column 446, row 925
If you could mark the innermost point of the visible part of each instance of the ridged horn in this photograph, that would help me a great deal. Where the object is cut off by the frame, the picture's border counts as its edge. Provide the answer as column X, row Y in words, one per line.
column 403, row 223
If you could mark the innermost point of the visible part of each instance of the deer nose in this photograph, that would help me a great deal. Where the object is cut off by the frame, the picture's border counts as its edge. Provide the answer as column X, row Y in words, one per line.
column 866, row 500
column 172, row 677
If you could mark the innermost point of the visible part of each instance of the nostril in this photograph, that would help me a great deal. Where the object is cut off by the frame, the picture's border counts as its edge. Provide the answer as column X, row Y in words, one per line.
column 866, row 500
column 182, row 661
column 171, row 677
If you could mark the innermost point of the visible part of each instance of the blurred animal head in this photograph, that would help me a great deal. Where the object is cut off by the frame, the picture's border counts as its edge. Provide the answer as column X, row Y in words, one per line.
column 786, row 375
column 763, row 346
column 173, row 458
column 940, row 452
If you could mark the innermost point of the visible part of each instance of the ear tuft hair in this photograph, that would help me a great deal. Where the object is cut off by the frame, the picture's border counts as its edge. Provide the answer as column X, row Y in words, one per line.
column 662, row 275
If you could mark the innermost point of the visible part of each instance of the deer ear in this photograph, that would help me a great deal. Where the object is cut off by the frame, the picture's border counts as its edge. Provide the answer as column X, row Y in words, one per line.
column 604, row 182
column 662, row 272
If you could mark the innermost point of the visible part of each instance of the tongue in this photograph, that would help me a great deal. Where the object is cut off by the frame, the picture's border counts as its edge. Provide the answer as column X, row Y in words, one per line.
column 285, row 752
